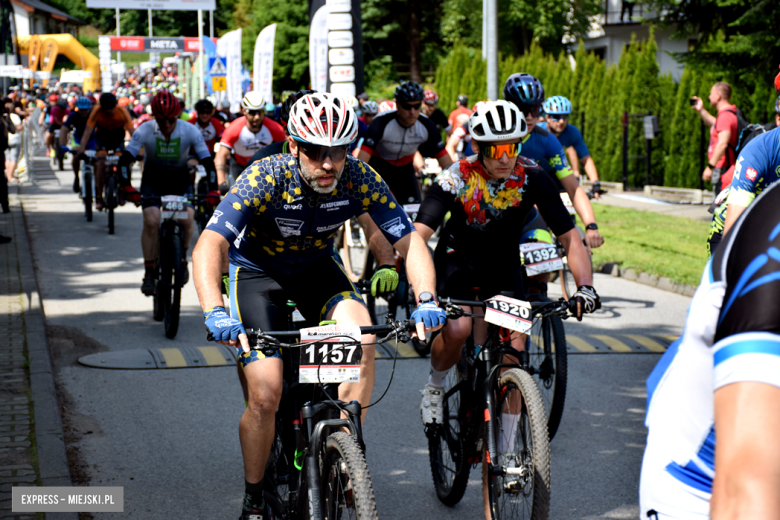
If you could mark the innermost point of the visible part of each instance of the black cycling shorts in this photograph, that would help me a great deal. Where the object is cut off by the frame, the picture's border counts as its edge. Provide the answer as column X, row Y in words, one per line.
column 53, row 127
column 463, row 279
column 110, row 139
column 259, row 299
column 400, row 179
column 167, row 182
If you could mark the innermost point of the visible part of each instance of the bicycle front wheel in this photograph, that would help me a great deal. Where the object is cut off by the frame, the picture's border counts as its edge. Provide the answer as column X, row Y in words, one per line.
column 517, row 485
column 87, row 187
column 171, row 276
column 446, row 444
column 110, row 201
column 547, row 363
column 347, row 491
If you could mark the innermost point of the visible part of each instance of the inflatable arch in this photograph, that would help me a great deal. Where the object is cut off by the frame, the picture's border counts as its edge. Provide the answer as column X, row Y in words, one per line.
column 75, row 52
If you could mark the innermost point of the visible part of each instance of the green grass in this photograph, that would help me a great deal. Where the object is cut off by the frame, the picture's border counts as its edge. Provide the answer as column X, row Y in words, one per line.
column 674, row 247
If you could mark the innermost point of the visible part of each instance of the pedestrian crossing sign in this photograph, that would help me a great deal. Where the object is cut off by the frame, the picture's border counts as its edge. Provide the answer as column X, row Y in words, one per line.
column 217, row 66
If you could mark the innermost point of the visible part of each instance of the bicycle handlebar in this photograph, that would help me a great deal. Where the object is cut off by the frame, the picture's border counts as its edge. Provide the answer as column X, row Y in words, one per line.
column 560, row 307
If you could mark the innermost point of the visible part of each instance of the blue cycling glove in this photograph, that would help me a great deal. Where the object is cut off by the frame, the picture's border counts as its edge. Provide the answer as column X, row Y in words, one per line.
column 221, row 325
column 430, row 314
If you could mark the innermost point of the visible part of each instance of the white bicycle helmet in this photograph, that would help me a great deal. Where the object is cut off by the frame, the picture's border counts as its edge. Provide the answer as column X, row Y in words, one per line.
column 497, row 121
column 253, row 101
column 370, row 108
column 323, row 119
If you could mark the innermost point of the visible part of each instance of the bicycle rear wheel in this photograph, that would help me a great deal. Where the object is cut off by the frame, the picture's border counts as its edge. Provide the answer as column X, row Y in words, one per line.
column 347, row 491
column 446, row 444
column 87, row 187
column 524, row 493
column 548, row 364
column 171, row 276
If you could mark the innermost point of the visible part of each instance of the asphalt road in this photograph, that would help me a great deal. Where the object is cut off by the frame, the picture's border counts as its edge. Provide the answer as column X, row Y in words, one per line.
column 170, row 436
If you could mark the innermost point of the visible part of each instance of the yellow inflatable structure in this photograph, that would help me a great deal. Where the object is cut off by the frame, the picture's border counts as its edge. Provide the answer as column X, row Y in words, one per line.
column 75, row 52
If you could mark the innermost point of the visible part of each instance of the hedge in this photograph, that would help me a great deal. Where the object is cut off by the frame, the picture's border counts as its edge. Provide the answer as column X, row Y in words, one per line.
column 601, row 94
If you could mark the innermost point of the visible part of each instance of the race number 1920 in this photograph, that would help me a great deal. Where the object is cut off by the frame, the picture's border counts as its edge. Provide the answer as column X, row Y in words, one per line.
column 508, row 313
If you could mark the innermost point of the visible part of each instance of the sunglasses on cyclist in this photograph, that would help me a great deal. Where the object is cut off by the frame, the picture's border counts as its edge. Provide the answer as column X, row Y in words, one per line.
column 497, row 151
column 255, row 112
column 169, row 120
column 318, row 153
column 533, row 111
column 409, row 106
column 558, row 117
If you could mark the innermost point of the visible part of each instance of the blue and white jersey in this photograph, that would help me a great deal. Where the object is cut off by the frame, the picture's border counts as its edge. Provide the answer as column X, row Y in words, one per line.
column 732, row 335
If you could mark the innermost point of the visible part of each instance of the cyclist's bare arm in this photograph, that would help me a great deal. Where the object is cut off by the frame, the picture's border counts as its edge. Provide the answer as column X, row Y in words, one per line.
column 733, row 211
column 590, row 168
column 452, row 144
column 579, row 200
column 747, row 422
column 221, row 161
column 574, row 161
column 207, row 271
column 418, row 161
column 364, row 156
column 445, row 161
column 63, row 138
column 383, row 251
column 424, row 231
column 577, row 255
column 85, row 137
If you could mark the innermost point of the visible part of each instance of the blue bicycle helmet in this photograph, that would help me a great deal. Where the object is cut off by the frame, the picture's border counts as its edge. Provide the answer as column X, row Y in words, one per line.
column 83, row 103
column 557, row 105
column 524, row 90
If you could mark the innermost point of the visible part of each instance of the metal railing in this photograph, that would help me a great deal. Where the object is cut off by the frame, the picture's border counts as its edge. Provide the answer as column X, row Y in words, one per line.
column 618, row 12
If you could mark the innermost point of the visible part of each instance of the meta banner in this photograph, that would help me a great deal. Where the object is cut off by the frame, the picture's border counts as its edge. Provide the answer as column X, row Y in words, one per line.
column 143, row 44
column 336, row 46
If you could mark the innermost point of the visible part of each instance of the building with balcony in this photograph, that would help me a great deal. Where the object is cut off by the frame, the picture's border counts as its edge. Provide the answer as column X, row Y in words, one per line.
column 612, row 30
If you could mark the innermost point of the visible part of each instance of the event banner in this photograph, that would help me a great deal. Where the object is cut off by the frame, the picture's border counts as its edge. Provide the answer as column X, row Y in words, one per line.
column 336, row 46
column 50, row 50
column 34, row 52
column 162, row 5
column 144, row 44
column 229, row 46
column 264, row 63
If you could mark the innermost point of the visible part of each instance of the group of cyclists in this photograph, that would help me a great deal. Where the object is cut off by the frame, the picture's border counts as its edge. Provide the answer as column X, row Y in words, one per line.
column 282, row 188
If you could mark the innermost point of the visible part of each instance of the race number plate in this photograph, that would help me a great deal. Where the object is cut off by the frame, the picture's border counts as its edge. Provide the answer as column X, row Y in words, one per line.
column 508, row 313
column 411, row 210
column 174, row 206
column 334, row 360
column 539, row 258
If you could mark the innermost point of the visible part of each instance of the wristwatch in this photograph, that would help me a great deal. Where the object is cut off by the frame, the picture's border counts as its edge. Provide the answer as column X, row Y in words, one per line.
column 592, row 225
column 425, row 297
column 711, row 166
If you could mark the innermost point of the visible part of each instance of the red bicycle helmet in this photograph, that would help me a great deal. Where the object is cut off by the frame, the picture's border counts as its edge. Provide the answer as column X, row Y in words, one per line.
column 430, row 97
column 777, row 82
column 165, row 105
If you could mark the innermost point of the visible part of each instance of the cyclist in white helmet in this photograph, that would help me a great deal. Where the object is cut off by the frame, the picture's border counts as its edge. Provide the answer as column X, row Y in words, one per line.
column 298, row 200
column 489, row 196
column 245, row 136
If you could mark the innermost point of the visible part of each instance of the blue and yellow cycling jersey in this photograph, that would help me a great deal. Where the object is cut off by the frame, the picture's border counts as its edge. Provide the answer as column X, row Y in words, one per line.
column 571, row 136
column 278, row 224
column 758, row 166
column 544, row 148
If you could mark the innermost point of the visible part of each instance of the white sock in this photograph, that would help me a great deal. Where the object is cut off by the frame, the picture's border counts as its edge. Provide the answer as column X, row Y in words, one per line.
column 506, row 439
column 437, row 378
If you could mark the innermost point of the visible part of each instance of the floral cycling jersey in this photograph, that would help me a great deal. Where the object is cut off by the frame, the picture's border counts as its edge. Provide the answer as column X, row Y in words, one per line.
column 278, row 224
column 487, row 216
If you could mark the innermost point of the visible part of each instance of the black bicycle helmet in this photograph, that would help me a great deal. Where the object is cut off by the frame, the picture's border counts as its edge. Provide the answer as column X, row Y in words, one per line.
column 409, row 91
column 463, row 100
column 204, row 106
column 107, row 100
column 284, row 113
column 524, row 90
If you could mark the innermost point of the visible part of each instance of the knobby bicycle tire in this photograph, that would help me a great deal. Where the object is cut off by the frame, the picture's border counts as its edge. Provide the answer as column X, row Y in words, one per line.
column 88, row 195
column 548, row 363
column 173, row 277
column 446, row 445
column 347, row 491
column 61, row 161
column 510, row 497
column 277, row 478
column 110, row 201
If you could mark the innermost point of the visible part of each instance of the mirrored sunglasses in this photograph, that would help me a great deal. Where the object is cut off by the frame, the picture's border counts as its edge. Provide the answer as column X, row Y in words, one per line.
column 496, row 151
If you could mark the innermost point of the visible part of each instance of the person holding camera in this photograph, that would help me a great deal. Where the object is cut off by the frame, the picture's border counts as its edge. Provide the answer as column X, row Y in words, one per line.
column 723, row 134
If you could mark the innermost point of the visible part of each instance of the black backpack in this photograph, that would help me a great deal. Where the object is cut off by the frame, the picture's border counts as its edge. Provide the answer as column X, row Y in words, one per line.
column 749, row 133
column 743, row 129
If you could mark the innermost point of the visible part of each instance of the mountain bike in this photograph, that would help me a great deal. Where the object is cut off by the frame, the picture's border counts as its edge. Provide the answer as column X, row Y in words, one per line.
column 203, row 210
column 110, row 184
column 316, row 470
column 87, row 181
column 493, row 413
column 170, row 265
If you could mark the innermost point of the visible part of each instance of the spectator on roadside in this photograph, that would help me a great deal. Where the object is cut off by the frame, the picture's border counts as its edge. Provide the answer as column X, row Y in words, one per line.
column 14, row 140
column 463, row 108
column 4, row 121
column 429, row 108
column 723, row 133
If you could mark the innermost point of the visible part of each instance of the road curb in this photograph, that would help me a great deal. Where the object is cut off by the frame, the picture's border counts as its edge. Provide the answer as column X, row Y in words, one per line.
column 660, row 282
column 49, row 439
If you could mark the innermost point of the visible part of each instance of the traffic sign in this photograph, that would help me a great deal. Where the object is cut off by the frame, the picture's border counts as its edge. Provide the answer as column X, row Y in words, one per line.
column 218, row 83
column 217, row 66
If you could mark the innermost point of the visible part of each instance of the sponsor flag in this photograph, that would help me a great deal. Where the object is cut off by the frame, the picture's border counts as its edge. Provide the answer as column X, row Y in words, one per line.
column 264, row 62
column 229, row 46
